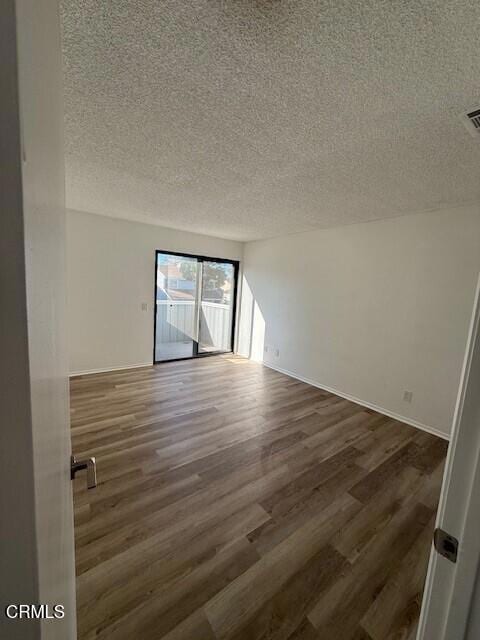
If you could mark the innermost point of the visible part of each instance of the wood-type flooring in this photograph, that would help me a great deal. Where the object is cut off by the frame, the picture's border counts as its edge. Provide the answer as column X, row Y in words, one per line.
column 236, row 503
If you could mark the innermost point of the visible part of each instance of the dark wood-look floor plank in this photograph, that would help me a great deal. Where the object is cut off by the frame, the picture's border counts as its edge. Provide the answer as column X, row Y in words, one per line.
column 195, row 627
column 236, row 605
column 160, row 575
column 367, row 526
column 162, row 609
column 285, row 611
column 390, row 468
column 399, row 601
column 338, row 612
column 237, row 503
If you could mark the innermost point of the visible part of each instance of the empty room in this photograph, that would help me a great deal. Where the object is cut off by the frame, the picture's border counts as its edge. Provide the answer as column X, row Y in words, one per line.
column 240, row 259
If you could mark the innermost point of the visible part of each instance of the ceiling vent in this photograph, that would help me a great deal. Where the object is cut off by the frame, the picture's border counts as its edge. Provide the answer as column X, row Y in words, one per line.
column 472, row 121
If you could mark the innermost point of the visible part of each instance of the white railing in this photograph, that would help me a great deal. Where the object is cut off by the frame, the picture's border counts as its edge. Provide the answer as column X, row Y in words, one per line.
column 215, row 326
column 176, row 320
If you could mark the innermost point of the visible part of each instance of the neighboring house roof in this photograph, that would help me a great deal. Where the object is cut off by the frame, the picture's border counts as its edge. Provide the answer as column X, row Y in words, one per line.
column 170, row 270
column 174, row 294
column 162, row 294
column 178, row 294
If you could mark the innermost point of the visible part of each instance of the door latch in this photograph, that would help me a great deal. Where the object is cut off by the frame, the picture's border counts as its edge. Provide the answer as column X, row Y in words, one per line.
column 445, row 544
column 90, row 465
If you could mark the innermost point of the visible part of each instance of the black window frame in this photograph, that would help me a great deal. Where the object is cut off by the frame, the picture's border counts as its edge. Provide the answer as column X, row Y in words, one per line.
column 199, row 258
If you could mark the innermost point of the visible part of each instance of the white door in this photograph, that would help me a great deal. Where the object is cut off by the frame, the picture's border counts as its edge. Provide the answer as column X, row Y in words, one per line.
column 450, row 586
column 37, row 551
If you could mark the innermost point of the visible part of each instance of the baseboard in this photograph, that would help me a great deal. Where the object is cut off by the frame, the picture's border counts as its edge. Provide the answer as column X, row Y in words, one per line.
column 363, row 403
column 87, row 372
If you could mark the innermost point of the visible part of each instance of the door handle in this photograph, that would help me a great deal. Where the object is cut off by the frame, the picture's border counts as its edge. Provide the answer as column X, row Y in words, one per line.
column 90, row 465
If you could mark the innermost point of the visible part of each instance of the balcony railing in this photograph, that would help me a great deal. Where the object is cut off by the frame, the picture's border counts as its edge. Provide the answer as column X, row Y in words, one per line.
column 176, row 325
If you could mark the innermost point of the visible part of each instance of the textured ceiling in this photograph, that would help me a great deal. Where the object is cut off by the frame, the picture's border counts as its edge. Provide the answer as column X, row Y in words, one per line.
column 247, row 119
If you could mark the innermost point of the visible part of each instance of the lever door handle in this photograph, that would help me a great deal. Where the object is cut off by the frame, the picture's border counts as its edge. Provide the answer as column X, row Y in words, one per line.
column 90, row 465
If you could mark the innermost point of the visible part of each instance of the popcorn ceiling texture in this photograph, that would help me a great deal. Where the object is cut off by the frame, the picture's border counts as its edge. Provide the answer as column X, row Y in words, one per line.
column 247, row 119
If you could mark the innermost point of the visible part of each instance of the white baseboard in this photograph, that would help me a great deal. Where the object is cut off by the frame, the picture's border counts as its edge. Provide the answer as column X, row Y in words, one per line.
column 363, row 403
column 103, row 370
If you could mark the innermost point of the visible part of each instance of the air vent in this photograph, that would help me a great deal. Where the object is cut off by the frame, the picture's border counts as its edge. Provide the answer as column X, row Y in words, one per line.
column 472, row 121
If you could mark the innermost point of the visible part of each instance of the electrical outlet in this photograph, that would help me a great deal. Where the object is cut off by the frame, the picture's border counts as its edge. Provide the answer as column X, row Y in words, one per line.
column 408, row 396
column 144, row 306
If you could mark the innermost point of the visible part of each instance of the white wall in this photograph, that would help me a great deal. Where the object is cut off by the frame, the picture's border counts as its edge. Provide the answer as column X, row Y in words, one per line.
column 36, row 514
column 18, row 553
column 369, row 310
column 473, row 630
column 110, row 274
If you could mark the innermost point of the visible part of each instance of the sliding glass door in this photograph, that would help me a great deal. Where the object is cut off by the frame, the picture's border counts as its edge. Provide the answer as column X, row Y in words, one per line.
column 176, row 306
column 216, row 307
column 194, row 305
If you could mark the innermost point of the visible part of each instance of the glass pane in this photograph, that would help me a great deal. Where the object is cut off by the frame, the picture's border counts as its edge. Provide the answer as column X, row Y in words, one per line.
column 216, row 308
column 175, row 306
